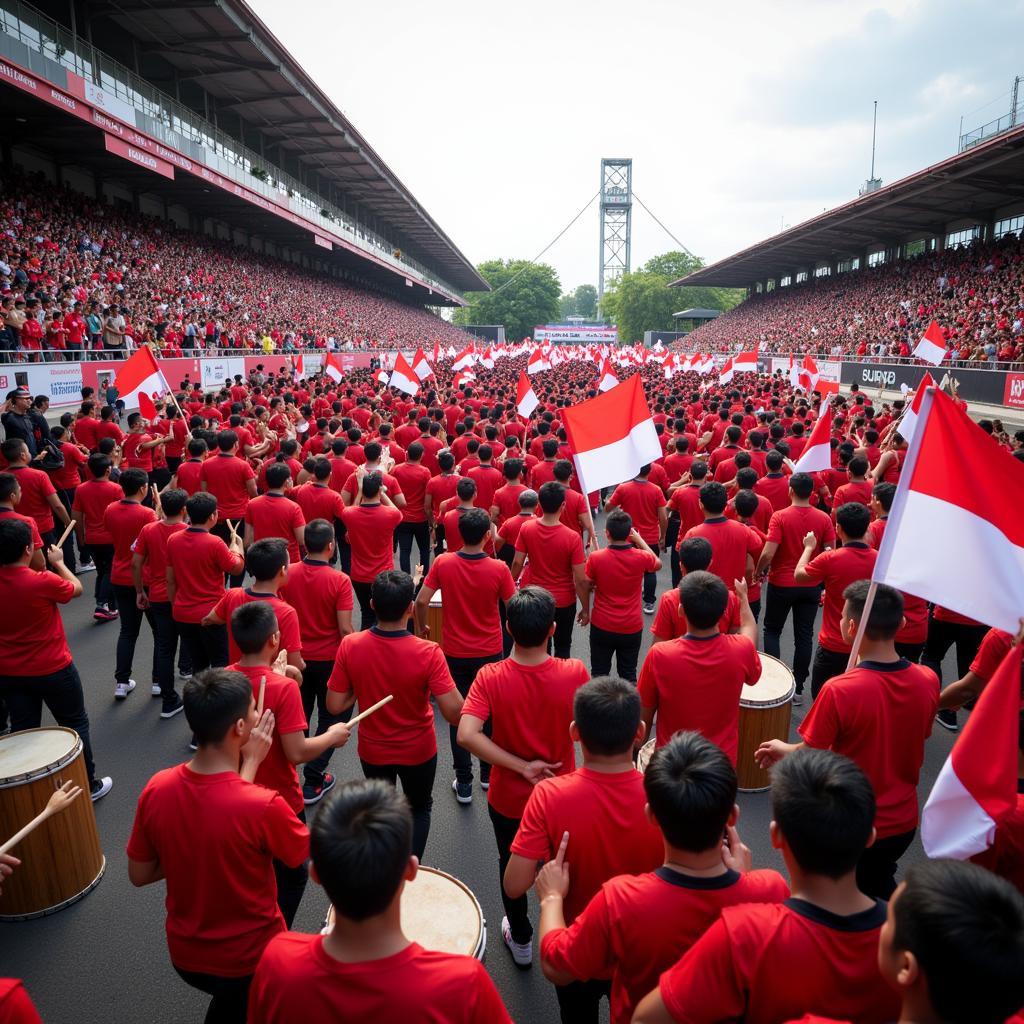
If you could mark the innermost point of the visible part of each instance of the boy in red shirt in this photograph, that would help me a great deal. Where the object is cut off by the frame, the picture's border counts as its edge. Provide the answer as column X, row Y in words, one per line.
column 273, row 515
column 617, row 573
column 206, row 829
column 733, row 546
column 414, row 479
column 644, row 502
column 742, row 966
column 365, row 968
column 528, row 699
column 10, row 495
column 232, row 482
column 638, row 925
column 397, row 742
column 879, row 714
column 88, row 508
column 39, row 499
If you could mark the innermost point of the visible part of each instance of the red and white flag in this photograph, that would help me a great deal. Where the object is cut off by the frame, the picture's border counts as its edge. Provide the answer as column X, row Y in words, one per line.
column 612, row 436
column 298, row 367
column 537, row 362
column 908, row 424
column 464, row 359
column 817, row 456
column 746, row 362
column 332, row 367
column 932, row 346
column 463, row 377
column 955, row 535
column 140, row 381
column 420, row 366
column 977, row 786
column 707, row 365
column 606, row 379
column 808, row 375
column 487, row 359
column 403, row 376
column 526, row 397
column 726, row 374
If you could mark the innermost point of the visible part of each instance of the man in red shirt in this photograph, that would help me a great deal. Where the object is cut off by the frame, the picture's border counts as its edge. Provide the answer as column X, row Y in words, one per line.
column 91, row 500
column 857, row 489
column 413, row 478
column 778, row 560
column 398, row 742
column 139, row 445
column 505, row 503
column 637, row 924
column 684, row 512
column 473, row 587
column 364, row 968
column 741, row 967
column 616, row 573
column 39, row 499
column 441, row 487
column 273, row 515
column 528, row 699
column 645, row 504
column 733, row 546
column 774, row 485
column 879, row 714
column 487, row 477
column 213, row 836
column 233, row 483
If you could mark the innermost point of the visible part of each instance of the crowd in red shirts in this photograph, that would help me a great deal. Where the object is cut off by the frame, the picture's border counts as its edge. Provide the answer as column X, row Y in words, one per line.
column 300, row 493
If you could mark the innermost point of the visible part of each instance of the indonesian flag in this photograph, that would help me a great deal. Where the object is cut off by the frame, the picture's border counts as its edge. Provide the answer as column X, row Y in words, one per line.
column 464, row 359
column 808, row 375
column 746, row 362
column 727, row 372
column 332, row 367
column 977, row 786
column 298, row 367
column 140, row 382
column 955, row 534
column 707, row 365
column 817, row 456
column 673, row 365
column 463, row 377
column 403, row 376
column 383, row 376
column 537, row 362
column 932, row 346
column 420, row 366
column 907, row 426
column 487, row 359
column 606, row 379
column 526, row 397
column 612, row 436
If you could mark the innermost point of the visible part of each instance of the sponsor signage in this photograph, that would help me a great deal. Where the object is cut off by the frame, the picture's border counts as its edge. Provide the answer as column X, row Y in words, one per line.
column 138, row 155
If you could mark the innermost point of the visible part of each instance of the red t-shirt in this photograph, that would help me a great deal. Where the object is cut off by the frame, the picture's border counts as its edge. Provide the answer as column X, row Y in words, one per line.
column 994, row 647
column 879, row 715
column 370, row 529
column 297, row 981
column 487, row 479
column 124, row 521
column 471, row 587
column 35, row 489
column 135, row 456
column 774, row 487
column 15, row 1005
column 226, row 478
column 1006, row 854
column 188, row 475
column 506, row 500
column 351, row 488
column 742, row 967
column 402, row 731
column 84, row 429
column 413, row 478
column 318, row 592
column 317, row 501
column 642, row 500
column 637, row 927
column 530, row 707
column 215, row 837
column 67, row 477
column 670, row 619
column 837, row 569
column 287, row 620
column 552, row 552
column 280, row 695
column 199, row 561
column 695, row 683
column 731, row 543
column 32, row 642
column 609, row 833
column 91, row 500
column 685, row 501
column 273, row 515
column 788, row 529
column 151, row 544
column 617, row 573
column 8, row 513
column 440, row 489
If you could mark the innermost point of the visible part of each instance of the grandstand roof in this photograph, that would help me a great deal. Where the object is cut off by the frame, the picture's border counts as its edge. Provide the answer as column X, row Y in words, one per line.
column 697, row 313
column 970, row 184
column 225, row 48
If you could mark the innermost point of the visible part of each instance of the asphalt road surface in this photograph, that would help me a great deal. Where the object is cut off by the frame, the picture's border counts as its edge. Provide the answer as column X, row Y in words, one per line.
column 104, row 960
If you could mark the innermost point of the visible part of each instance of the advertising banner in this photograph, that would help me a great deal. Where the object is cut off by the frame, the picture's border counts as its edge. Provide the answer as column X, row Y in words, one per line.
column 60, row 382
column 573, row 334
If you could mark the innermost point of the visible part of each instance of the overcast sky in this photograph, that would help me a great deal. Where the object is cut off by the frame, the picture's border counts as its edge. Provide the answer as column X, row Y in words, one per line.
column 739, row 117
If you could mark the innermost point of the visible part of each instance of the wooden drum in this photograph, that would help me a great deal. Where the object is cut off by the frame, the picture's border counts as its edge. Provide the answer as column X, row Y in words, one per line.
column 765, row 712
column 435, row 617
column 61, row 860
column 643, row 758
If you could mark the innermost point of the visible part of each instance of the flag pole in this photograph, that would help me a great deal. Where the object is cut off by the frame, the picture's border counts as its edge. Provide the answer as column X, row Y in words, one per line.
column 862, row 626
column 174, row 399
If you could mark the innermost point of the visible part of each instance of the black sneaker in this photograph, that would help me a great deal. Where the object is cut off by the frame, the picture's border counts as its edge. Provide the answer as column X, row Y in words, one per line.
column 463, row 791
column 947, row 719
column 172, row 707
column 99, row 788
column 314, row 794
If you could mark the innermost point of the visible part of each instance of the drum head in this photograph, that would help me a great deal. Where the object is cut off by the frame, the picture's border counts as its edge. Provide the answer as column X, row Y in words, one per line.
column 440, row 913
column 643, row 758
column 435, row 599
column 775, row 686
column 31, row 752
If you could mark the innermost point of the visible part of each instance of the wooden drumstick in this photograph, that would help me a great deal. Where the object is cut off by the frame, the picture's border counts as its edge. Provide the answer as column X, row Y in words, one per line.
column 370, row 710
column 67, row 533
column 259, row 702
column 61, row 799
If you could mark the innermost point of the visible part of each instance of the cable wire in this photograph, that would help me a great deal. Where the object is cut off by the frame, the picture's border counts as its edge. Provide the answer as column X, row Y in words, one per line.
column 662, row 226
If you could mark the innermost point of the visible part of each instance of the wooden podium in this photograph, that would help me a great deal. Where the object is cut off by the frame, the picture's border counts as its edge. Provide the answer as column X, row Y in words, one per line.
column 435, row 617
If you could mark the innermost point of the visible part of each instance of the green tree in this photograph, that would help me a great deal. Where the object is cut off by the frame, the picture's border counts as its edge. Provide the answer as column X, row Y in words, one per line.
column 581, row 301
column 522, row 295
column 643, row 301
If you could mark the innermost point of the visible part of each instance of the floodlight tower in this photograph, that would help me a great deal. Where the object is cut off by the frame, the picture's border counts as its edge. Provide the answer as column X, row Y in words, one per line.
column 616, row 219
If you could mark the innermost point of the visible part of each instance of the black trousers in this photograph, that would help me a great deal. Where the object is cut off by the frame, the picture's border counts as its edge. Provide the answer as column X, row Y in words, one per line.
column 405, row 533
column 221, row 530
column 67, row 497
column 516, row 910
column 438, row 538
column 230, row 1002
column 671, row 536
column 876, row 870
column 417, row 786
column 624, row 646
column 103, row 556
column 564, row 619
column 650, row 587
column 579, row 1002
column 207, row 646
column 912, row 652
column 826, row 665
column 342, row 547
column 463, row 672
column 314, row 693
column 755, row 609
column 61, row 692
column 367, row 616
column 942, row 636
column 803, row 603
column 291, row 884
column 131, row 617
column 165, row 645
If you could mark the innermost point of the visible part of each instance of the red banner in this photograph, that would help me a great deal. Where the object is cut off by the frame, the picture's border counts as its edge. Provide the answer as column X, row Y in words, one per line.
column 138, row 156
column 1013, row 390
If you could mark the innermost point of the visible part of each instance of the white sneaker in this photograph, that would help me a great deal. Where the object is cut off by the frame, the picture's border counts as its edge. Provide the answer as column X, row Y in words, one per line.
column 121, row 690
column 522, row 952
column 99, row 788
column 155, row 691
column 86, row 567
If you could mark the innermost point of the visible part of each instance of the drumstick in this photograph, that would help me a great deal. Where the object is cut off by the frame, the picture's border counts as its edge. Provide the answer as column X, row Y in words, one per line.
column 370, row 710
column 259, row 702
column 61, row 798
column 67, row 533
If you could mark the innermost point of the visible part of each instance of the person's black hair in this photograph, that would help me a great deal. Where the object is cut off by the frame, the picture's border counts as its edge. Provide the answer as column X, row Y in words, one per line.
column 392, row 593
column 704, row 598
column 695, row 554
column 338, row 446
column 733, row 433
column 197, row 447
column 886, row 616
column 607, row 714
column 372, row 451
column 12, row 448
column 746, row 477
column 741, row 460
column 714, row 498
column 562, row 471
column 854, row 518
column 484, row 452
column 360, row 841
column 278, row 474
column 965, row 927
column 446, row 461
column 214, row 700
column 802, row 485
column 690, row 785
column 884, row 493
column 133, row 480
column 266, row 558
column 322, row 469
column 698, row 470
column 173, row 500
column 618, row 524
column 252, row 625
column 530, row 614
column 465, row 488
column 474, row 525
column 200, row 507
column 226, row 440
column 773, row 461
column 858, row 465
column 8, row 485
column 15, row 536
column 549, row 447
column 824, row 806
column 318, row 534
column 513, row 468
column 746, row 503
column 372, row 483
column 414, row 452
column 551, row 496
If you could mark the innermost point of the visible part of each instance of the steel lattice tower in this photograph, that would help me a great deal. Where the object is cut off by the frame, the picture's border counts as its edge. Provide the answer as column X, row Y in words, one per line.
column 616, row 220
